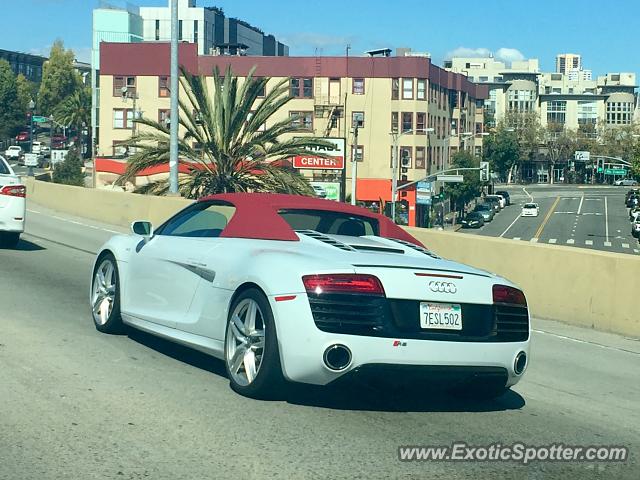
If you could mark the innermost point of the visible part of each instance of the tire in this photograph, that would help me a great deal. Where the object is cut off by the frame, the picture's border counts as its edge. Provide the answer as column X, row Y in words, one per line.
column 261, row 336
column 9, row 239
column 105, row 296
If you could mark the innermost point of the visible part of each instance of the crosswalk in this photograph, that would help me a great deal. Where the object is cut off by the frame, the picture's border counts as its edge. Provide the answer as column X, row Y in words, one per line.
column 587, row 243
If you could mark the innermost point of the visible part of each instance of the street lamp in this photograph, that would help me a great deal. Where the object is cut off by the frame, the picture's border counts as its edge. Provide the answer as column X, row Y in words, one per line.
column 32, row 107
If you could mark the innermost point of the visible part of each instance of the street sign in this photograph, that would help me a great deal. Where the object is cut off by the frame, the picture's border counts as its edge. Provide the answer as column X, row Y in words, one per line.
column 30, row 159
column 423, row 193
column 450, row 178
column 39, row 119
column 484, row 171
column 615, row 171
column 58, row 156
column 582, row 155
column 333, row 162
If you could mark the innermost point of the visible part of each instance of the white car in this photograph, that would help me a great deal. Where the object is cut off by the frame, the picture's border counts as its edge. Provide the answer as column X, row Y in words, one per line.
column 629, row 182
column 12, row 205
column 300, row 289
column 501, row 201
column 530, row 210
column 13, row 152
column 319, row 191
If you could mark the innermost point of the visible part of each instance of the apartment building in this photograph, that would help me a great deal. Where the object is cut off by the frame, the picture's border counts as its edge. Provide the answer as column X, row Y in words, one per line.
column 431, row 113
column 25, row 63
column 565, row 62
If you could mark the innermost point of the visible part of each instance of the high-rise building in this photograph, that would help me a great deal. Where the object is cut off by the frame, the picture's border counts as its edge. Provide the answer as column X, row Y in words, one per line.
column 566, row 62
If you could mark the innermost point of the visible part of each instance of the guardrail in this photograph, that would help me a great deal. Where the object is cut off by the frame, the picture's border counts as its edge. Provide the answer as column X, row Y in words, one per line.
column 572, row 285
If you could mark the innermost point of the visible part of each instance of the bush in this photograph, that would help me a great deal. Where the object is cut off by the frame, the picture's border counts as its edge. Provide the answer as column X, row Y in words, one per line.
column 69, row 172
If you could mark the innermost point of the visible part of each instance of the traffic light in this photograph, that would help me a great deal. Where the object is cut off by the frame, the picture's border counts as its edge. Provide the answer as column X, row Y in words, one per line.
column 484, row 171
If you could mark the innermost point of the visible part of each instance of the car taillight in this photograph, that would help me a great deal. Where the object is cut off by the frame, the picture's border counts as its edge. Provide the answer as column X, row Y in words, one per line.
column 343, row 283
column 508, row 295
column 14, row 191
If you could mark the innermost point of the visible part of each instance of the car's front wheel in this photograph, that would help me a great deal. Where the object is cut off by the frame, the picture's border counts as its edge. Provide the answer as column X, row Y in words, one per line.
column 105, row 296
column 9, row 239
column 252, row 357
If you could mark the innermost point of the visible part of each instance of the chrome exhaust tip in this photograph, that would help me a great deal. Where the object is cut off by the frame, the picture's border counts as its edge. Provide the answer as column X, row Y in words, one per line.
column 337, row 357
column 520, row 363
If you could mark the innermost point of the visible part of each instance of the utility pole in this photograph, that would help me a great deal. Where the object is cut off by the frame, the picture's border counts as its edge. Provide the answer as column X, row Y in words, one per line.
column 394, row 176
column 354, row 164
column 174, row 115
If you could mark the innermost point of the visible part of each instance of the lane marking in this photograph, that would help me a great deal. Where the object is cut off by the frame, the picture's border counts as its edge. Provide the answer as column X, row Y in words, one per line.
column 546, row 219
column 516, row 238
column 580, row 206
column 502, row 234
column 607, row 244
column 62, row 219
column 565, row 337
column 534, row 240
column 525, row 191
column 59, row 243
column 571, row 241
column 606, row 221
column 625, row 245
column 552, row 240
column 635, row 250
column 588, row 242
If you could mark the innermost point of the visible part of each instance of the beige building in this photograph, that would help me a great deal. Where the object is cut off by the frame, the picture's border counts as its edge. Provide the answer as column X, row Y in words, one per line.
column 566, row 62
column 429, row 112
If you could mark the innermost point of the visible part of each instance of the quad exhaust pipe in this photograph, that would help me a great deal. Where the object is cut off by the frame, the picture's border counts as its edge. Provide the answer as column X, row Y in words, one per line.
column 337, row 357
column 520, row 363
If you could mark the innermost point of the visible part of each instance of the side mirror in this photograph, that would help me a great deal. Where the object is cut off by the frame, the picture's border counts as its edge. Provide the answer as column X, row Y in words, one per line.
column 142, row 228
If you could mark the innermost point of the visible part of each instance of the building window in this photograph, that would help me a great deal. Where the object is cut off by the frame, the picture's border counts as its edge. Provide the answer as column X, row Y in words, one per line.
column 118, row 149
column 407, row 88
column 195, row 31
column 163, row 87
column 357, row 118
column 358, row 86
column 421, row 124
column 120, row 82
column 302, row 120
column 263, row 91
column 394, row 122
column 180, row 30
column 395, row 88
column 407, row 122
column 619, row 113
column 357, row 152
column 157, row 30
column 520, row 100
column 420, row 157
column 405, row 157
column 119, row 115
column 164, row 115
column 421, row 90
column 301, row 87
column 483, row 79
column 587, row 112
column 556, row 112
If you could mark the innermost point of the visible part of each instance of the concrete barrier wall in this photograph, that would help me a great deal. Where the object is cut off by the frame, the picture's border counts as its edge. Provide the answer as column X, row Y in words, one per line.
column 573, row 285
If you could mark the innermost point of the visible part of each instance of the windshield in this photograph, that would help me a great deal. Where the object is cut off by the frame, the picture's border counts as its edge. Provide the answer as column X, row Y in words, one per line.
column 530, row 205
column 329, row 222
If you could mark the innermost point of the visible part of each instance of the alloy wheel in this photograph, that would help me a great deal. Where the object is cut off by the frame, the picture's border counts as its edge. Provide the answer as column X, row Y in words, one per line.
column 103, row 294
column 245, row 342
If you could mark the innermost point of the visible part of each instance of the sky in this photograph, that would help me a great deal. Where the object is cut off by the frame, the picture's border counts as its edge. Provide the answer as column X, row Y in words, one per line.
column 605, row 34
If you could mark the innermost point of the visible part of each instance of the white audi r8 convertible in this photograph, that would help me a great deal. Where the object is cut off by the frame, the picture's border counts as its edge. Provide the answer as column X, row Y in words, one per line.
column 290, row 288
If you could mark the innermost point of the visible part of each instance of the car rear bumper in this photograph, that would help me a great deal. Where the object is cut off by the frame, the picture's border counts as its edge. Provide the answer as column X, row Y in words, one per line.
column 12, row 215
column 303, row 345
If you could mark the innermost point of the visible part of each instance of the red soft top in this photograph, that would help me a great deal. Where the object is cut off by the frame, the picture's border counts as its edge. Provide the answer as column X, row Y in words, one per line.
column 257, row 216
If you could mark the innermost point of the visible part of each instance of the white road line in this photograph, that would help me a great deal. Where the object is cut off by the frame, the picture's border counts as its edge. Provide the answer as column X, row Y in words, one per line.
column 534, row 240
column 552, row 240
column 570, row 213
column 607, row 244
column 516, row 238
column 503, row 233
column 588, row 242
column 635, row 250
column 606, row 222
column 625, row 245
column 525, row 191
column 580, row 206
column 75, row 223
column 571, row 241
column 564, row 337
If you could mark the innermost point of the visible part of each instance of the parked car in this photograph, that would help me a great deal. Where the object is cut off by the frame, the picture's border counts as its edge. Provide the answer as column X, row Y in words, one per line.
column 487, row 211
column 627, row 182
column 634, row 213
column 472, row 220
column 494, row 202
column 633, row 201
column 13, row 152
column 504, row 194
column 499, row 198
column 12, row 205
column 635, row 228
column 36, row 147
column 22, row 137
column 632, row 192
column 530, row 210
column 314, row 322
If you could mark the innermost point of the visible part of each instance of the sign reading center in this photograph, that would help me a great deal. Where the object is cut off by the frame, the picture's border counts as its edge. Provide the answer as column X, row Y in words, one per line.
column 333, row 161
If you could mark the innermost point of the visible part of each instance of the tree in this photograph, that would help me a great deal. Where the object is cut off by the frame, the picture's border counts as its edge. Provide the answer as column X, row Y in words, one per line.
column 59, row 78
column 69, row 171
column 229, row 143
column 529, row 133
column 559, row 144
column 75, row 110
column 27, row 91
column 12, row 115
column 501, row 150
column 463, row 193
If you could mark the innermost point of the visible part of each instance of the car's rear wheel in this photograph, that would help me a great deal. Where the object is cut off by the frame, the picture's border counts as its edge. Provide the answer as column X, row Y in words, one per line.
column 105, row 296
column 9, row 239
column 252, row 357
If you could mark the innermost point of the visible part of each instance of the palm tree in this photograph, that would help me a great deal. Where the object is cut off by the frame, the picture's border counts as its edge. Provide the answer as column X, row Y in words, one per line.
column 75, row 110
column 227, row 145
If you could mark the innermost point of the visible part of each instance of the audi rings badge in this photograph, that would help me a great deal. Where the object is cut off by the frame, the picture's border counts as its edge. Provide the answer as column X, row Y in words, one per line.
column 443, row 287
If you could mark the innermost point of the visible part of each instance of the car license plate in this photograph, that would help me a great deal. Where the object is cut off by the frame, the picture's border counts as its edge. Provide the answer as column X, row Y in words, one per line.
column 441, row 316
